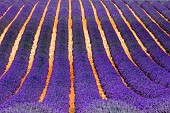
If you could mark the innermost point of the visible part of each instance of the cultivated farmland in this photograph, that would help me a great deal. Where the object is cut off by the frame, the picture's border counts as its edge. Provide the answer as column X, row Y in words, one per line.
column 84, row 56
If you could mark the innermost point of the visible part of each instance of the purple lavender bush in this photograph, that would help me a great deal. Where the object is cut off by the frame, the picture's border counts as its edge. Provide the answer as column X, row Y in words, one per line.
column 30, row 108
column 4, row 5
column 111, row 106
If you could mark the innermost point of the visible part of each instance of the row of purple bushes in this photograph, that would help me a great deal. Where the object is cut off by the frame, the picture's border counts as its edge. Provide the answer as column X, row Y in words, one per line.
column 59, row 87
column 162, row 37
column 153, row 71
column 30, row 87
column 147, row 81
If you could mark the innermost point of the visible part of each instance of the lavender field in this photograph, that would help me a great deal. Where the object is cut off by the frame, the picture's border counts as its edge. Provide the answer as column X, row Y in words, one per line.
column 84, row 56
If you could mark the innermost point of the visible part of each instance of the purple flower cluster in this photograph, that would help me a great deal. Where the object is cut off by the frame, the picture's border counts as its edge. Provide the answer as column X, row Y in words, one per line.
column 153, row 71
column 111, row 106
column 162, row 9
column 31, row 108
column 4, row 5
column 155, row 15
column 1, row 1
column 167, row 4
column 162, row 37
column 59, row 86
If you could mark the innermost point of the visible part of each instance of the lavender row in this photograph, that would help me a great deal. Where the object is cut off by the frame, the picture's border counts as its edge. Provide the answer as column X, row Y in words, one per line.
column 137, row 100
column 35, row 81
column 20, row 63
column 23, row 52
column 162, row 9
column 4, row 5
column 110, row 81
column 27, row 107
column 10, row 15
column 153, row 71
column 148, row 69
column 155, row 15
column 158, row 55
column 116, row 89
column 11, row 35
column 59, row 86
column 85, row 85
column 133, row 76
column 167, row 4
column 162, row 37
column 58, row 91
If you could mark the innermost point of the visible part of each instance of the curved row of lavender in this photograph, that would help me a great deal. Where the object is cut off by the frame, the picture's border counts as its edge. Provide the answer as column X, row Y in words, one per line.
column 83, row 73
column 139, row 82
column 162, row 37
column 39, row 61
column 161, row 9
column 12, row 78
column 147, row 82
column 10, row 36
column 153, row 71
column 153, row 13
column 5, row 5
column 59, row 87
column 159, row 56
column 114, row 44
